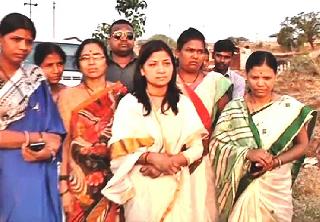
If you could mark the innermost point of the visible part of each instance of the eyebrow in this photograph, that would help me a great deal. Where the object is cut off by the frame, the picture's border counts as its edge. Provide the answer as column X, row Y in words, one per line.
column 95, row 53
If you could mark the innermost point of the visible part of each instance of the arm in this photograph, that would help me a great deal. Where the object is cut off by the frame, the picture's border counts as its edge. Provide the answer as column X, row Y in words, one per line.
column 10, row 139
column 298, row 150
column 65, row 112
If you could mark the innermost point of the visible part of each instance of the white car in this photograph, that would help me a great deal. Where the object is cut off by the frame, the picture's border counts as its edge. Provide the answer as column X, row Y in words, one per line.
column 71, row 75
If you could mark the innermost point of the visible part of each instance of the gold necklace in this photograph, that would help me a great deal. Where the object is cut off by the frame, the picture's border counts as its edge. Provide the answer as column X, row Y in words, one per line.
column 251, row 102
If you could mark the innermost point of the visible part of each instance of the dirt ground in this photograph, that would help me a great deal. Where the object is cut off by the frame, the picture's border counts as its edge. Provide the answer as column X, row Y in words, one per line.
column 306, row 190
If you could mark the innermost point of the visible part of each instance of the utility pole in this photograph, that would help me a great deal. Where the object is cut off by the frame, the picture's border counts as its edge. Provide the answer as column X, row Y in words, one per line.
column 30, row 5
column 53, row 19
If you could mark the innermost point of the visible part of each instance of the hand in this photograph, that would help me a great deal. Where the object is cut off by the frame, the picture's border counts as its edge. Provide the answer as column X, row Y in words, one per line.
column 33, row 156
column 262, row 157
column 163, row 163
column 150, row 171
column 53, row 141
column 67, row 202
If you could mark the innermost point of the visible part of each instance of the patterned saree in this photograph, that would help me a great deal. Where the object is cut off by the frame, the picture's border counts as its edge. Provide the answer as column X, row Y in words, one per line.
column 89, row 163
column 268, row 197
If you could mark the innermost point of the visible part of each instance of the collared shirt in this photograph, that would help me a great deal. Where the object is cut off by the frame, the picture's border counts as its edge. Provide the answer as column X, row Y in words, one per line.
column 239, row 83
column 124, row 75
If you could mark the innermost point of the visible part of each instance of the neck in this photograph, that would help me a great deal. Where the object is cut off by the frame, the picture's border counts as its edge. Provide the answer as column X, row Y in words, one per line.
column 95, row 84
column 222, row 71
column 122, row 61
column 261, row 100
column 189, row 77
column 7, row 67
column 157, row 91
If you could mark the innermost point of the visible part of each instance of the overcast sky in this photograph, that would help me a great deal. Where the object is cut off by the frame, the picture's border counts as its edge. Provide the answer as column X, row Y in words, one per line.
column 253, row 19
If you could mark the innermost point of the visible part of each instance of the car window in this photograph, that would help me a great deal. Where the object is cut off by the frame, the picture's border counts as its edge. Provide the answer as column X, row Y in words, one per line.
column 71, row 75
column 68, row 48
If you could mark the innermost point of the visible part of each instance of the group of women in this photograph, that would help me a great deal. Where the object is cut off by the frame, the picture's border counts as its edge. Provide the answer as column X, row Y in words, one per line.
column 145, row 155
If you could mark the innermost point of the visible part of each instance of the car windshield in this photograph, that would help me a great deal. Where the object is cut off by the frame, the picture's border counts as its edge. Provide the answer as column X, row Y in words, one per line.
column 68, row 48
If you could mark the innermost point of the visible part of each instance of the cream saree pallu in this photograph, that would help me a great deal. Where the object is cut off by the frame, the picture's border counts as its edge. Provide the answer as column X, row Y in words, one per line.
column 168, row 197
column 273, row 128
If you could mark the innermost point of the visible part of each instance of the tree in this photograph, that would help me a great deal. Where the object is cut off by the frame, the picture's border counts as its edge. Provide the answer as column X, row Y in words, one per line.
column 132, row 11
column 237, row 40
column 299, row 29
column 102, row 32
column 170, row 42
column 286, row 38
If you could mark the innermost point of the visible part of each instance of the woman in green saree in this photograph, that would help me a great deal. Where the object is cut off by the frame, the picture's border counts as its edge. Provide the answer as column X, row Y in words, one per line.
column 258, row 146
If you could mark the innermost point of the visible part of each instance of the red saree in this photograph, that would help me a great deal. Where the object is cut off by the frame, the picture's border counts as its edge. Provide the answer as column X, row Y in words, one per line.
column 89, row 163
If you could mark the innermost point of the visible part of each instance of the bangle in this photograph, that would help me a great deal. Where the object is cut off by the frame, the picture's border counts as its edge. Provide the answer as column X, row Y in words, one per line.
column 64, row 177
column 52, row 153
column 27, row 137
column 279, row 162
column 146, row 157
column 64, row 192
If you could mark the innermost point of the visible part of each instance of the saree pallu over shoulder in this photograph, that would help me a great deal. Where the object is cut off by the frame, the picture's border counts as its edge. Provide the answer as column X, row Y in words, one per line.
column 15, row 94
column 89, row 165
column 28, row 190
column 128, row 184
column 236, row 132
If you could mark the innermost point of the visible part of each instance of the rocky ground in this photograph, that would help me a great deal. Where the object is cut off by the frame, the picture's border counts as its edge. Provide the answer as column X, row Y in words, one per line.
column 306, row 190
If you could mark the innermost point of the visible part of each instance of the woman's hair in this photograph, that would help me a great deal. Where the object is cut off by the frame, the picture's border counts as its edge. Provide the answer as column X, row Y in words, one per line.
column 258, row 58
column 44, row 49
column 188, row 35
column 86, row 42
column 140, row 83
column 14, row 21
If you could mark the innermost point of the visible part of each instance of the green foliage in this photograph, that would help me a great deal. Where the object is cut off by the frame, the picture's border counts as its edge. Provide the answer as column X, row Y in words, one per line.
column 102, row 32
column 132, row 11
column 171, row 43
column 299, row 29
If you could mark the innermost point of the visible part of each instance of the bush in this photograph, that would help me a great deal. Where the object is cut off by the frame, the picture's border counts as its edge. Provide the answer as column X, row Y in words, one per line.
column 304, row 64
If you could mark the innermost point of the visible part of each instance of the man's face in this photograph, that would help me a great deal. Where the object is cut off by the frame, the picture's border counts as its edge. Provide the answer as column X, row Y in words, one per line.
column 121, row 40
column 191, row 56
column 222, row 61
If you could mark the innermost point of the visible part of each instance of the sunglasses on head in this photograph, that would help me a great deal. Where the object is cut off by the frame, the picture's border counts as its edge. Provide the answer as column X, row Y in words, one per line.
column 118, row 35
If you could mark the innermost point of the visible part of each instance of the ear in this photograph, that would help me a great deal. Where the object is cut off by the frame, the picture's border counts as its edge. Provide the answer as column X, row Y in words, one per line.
column 142, row 72
column 177, row 53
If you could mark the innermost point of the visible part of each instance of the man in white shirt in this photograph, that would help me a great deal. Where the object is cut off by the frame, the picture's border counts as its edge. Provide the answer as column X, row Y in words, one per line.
column 223, row 53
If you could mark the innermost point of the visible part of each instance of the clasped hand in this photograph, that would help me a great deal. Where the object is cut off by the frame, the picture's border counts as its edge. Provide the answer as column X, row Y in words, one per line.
column 262, row 159
column 161, row 163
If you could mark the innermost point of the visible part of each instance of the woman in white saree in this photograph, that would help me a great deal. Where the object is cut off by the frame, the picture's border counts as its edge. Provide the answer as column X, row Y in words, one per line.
column 156, row 135
column 258, row 146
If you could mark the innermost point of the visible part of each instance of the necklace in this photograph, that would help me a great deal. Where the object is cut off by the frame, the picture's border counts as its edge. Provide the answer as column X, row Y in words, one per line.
column 253, row 106
column 89, row 90
column 192, row 81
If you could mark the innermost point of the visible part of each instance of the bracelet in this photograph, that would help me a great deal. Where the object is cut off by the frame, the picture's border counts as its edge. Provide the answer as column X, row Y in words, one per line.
column 146, row 157
column 64, row 177
column 279, row 162
column 27, row 137
column 64, row 192
column 52, row 153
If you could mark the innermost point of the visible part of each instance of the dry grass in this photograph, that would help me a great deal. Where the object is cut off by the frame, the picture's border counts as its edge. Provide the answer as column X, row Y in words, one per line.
column 306, row 190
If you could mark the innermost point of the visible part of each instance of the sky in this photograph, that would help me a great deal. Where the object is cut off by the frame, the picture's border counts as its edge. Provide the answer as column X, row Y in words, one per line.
column 252, row 19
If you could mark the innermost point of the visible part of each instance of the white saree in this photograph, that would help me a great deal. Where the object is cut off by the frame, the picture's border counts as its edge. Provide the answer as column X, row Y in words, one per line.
column 168, row 197
column 267, row 198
